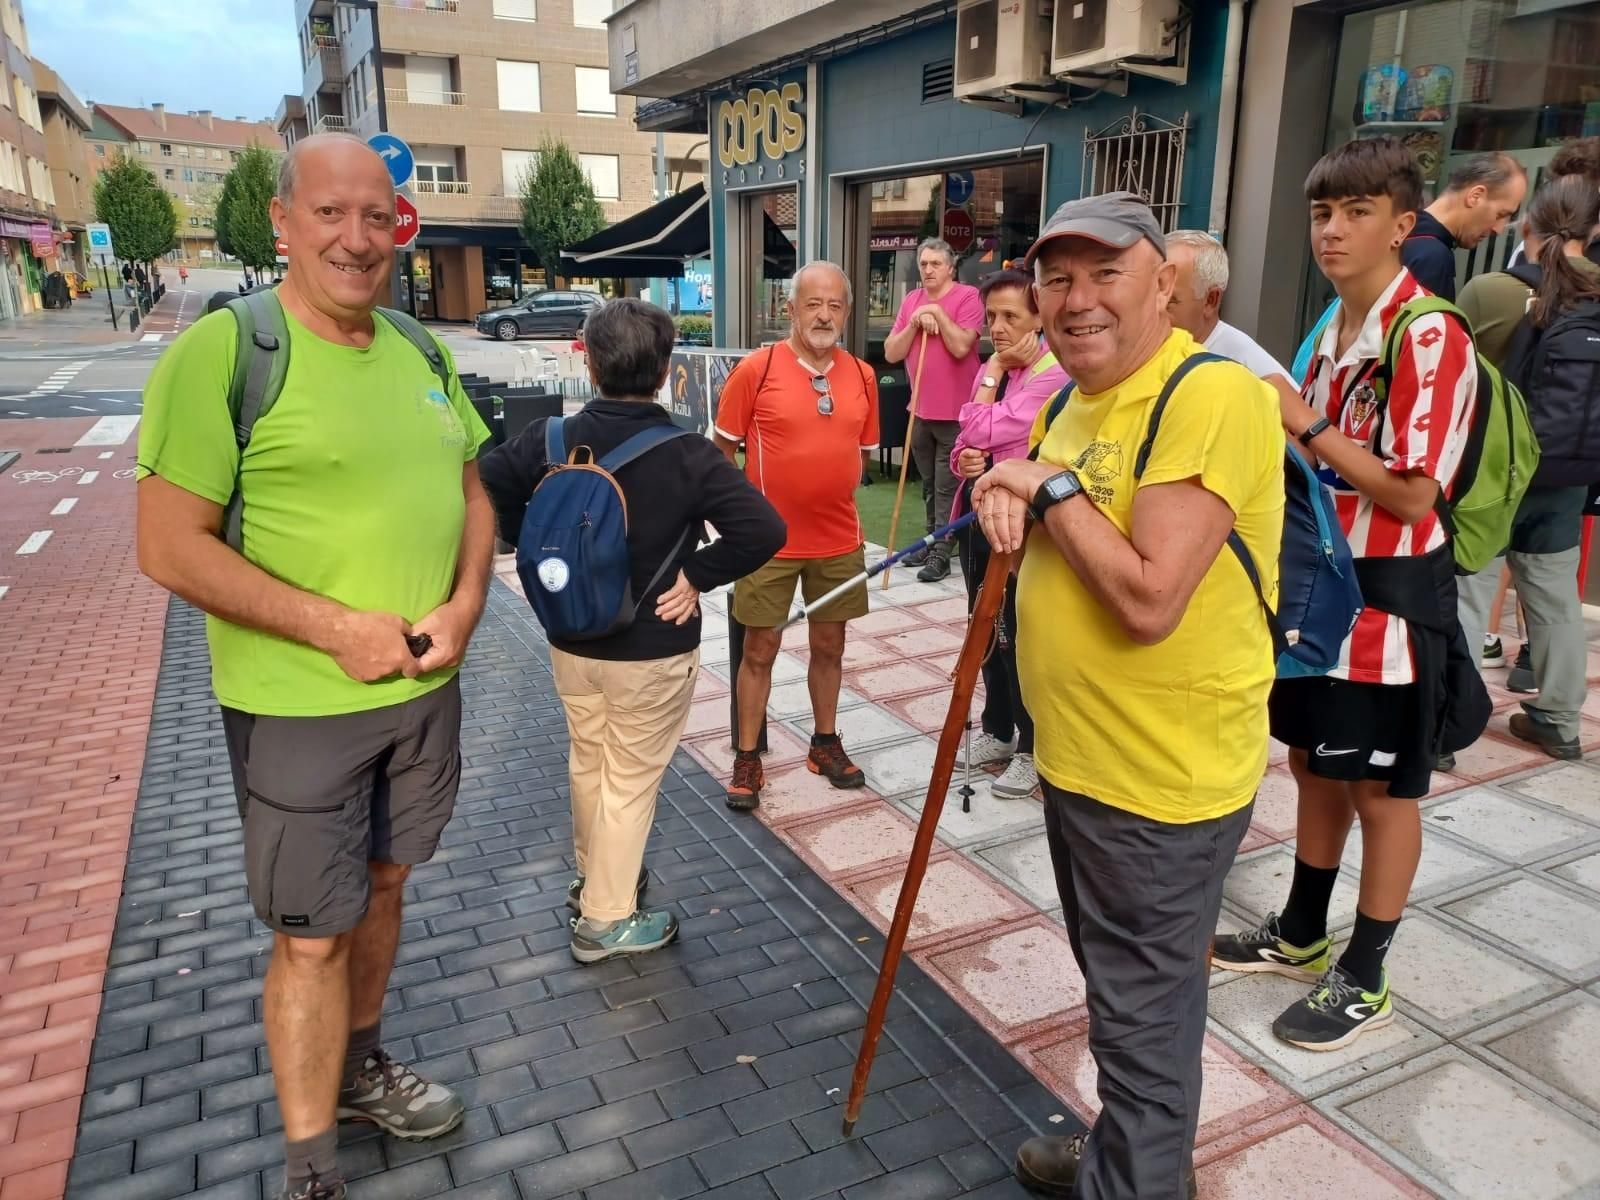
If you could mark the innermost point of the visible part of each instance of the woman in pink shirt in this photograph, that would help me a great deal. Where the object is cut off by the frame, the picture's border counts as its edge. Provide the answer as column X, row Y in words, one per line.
column 1007, row 395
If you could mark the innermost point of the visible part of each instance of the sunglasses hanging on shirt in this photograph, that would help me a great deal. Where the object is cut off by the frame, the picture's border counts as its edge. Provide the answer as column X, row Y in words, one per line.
column 819, row 384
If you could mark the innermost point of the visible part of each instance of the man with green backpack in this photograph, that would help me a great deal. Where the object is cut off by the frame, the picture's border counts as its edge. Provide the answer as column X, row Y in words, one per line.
column 308, row 478
column 1425, row 448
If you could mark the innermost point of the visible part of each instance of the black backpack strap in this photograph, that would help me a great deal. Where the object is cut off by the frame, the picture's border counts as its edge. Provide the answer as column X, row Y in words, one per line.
column 1142, row 459
column 418, row 336
column 1051, row 412
column 260, row 364
column 667, row 562
column 1280, row 641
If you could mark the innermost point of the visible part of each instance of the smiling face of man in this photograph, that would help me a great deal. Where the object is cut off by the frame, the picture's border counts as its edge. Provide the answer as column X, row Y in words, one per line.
column 338, row 220
column 1104, row 309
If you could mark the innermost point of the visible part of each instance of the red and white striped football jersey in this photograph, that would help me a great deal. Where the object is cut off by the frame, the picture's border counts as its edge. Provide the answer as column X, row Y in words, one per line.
column 1424, row 428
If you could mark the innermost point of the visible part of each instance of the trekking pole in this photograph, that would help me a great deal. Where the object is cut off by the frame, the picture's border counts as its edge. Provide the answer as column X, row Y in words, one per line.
column 980, row 629
column 884, row 564
column 905, row 452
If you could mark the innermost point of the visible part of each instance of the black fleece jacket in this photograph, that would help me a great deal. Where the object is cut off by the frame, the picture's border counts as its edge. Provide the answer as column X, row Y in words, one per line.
column 684, row 482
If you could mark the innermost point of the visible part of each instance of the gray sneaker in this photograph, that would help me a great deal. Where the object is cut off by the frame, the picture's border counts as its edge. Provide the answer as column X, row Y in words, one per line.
column 575, row 891
column 315, row 1189
column 395, row 1098
column 638, row 934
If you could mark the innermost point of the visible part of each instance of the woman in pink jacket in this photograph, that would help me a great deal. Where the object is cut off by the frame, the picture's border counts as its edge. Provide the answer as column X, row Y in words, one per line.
column 1011, row 388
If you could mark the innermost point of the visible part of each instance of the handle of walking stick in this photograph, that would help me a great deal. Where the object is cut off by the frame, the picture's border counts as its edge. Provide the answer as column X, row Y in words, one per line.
column 973, row 649
column 905, row 452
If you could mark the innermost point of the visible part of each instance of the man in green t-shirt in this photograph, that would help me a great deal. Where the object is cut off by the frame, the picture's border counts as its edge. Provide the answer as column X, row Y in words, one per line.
column 362, row 523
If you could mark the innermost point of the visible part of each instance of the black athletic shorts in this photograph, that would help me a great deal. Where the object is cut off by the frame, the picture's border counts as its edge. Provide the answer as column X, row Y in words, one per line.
column 1354, row 731
column 320, row 797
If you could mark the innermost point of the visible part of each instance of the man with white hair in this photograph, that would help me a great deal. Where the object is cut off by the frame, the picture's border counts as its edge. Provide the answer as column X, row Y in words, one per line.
column 334, row 531
column 1197, row 300
column 807, row 413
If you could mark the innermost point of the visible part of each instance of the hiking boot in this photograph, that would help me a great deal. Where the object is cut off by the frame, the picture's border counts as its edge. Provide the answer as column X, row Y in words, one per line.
column 985, row 749
column 938, row 565
column 395, row 1098
column 1048, row 1166
column 1520, row 678
column 916, row 558
column 1336, row 1013
column 1545, row 736
column 1263, row 949
column 315, row 1189
column 828, row 759
column 744, row 789
column 646, row 930
column 1447, row 762
column 575, row 891
column 1017, row 781
column 1494, row 651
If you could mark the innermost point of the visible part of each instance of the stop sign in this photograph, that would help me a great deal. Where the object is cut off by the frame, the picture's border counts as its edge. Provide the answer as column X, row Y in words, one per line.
column 958, row 230
column 406, row 222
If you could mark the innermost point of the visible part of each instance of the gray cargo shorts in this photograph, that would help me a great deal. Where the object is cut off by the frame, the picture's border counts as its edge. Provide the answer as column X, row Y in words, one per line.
column 320, row 797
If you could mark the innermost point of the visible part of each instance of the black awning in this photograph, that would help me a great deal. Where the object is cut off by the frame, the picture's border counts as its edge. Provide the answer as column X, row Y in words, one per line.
column 654, row 243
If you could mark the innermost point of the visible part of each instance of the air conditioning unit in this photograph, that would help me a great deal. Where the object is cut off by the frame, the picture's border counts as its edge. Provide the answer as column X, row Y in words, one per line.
column 1094, row 35
column 1000, row 43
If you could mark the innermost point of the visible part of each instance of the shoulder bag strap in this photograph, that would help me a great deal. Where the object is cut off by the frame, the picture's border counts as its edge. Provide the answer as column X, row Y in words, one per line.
column 260, row 365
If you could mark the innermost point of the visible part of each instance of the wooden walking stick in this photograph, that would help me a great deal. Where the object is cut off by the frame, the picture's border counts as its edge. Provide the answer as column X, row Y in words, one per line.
column 905, row 453
column 973, row 650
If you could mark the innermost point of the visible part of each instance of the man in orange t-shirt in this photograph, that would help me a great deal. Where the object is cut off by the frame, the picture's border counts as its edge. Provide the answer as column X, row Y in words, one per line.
column 807, row 413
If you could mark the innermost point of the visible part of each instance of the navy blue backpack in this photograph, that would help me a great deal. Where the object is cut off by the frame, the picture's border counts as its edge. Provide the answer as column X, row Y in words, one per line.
column 1318, row 596
column 572, row 553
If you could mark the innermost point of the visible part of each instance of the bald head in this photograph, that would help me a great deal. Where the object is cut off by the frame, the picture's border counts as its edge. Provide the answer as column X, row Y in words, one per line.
column 341, row 153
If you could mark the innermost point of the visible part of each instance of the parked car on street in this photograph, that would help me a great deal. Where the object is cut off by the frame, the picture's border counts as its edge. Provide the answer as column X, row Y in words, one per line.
column 546, row 314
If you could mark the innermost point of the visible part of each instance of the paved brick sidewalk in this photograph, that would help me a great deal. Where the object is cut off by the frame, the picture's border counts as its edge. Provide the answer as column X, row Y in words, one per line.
column 716, row 1067
column 80, row 639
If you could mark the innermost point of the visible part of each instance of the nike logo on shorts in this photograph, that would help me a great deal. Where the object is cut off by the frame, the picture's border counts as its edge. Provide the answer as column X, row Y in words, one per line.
column 1324, row 752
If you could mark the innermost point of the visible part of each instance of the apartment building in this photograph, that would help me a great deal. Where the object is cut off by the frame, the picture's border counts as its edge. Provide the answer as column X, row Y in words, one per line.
column 190, row 154
column 473, row 86
column 66, row 122
column 27, row 196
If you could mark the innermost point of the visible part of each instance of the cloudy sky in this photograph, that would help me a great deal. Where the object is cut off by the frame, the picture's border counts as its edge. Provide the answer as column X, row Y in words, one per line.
column 235, row 57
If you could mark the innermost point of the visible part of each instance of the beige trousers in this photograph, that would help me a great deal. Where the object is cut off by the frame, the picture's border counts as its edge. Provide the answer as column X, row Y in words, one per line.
column 624, row 720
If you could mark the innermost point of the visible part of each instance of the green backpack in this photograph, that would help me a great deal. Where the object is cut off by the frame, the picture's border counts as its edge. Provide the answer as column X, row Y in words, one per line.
column 261, row 362
column 1501, row 456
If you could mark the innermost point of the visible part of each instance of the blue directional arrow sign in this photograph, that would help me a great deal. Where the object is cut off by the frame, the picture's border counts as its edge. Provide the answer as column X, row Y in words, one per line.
column 396, row 156
column 958, row 188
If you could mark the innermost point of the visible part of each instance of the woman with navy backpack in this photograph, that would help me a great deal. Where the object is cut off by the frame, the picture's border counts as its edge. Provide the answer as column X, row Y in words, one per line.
column 1538, row 322
column 625, row 673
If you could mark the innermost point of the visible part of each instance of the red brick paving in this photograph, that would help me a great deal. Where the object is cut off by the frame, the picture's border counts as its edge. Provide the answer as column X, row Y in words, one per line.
column 80, row 646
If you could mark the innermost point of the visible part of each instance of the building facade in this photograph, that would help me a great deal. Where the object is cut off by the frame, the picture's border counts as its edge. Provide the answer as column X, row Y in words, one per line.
column 28, row 235
column 67, row 121
column 474, row 87
column 190, row 154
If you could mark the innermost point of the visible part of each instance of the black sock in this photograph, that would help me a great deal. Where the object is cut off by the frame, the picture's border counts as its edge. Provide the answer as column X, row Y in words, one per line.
column 362, row 1043
column 1305, row 917
column 747, row 753
column 1362, row 959
column 823, row 739
column 315, row 1157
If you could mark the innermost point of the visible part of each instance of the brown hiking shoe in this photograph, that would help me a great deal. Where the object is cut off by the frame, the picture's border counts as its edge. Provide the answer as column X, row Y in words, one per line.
column 744, row 790
column 829, row 760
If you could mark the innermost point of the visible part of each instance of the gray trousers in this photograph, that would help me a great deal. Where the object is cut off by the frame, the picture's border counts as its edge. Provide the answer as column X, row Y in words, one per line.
column 1141, row 900
column 931, row 443
column 1544, row 565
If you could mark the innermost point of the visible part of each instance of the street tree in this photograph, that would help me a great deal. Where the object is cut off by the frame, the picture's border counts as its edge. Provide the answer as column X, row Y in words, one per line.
column 559, row 208
column 244, row 220
column 143, row 219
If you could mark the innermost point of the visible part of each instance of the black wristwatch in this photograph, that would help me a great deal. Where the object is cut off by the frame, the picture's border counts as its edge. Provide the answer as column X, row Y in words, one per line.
column 1313, row 429
column 1063, row 485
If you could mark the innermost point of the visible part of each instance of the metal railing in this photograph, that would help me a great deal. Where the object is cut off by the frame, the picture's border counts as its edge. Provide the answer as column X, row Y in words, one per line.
column 1143, row 154
column 400, row 95
column 325, row 41
column 438, row 6
column 331, row 124
column 443, row 187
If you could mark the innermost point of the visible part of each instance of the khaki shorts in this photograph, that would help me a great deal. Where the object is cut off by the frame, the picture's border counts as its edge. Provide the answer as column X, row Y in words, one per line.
column 765, row 598
column 320, row 797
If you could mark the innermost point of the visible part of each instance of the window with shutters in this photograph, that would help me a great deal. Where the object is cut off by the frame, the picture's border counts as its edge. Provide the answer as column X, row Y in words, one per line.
column 516, row 10
column 602, row 170
column 594, row 92
column 519, row 85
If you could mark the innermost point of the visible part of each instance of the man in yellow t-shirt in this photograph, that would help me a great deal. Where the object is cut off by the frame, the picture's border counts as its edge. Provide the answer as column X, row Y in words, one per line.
column 1146, row 662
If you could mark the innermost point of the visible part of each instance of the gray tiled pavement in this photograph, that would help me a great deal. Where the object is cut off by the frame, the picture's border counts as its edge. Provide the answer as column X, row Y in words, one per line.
column 717, row 1067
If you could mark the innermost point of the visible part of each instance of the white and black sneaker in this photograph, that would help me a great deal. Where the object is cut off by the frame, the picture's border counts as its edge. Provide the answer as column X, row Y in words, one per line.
column 1263, row 949
column 985, row 749
column 1494, row 651
column 1336, row 1013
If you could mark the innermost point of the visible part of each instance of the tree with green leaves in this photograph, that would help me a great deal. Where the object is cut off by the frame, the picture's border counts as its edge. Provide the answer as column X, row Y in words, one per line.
column 244, row 217
column 143, row 219
column 559, row 208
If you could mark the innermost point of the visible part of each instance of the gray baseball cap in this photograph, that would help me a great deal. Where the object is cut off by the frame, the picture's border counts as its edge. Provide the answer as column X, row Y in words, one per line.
column 1117, row 219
